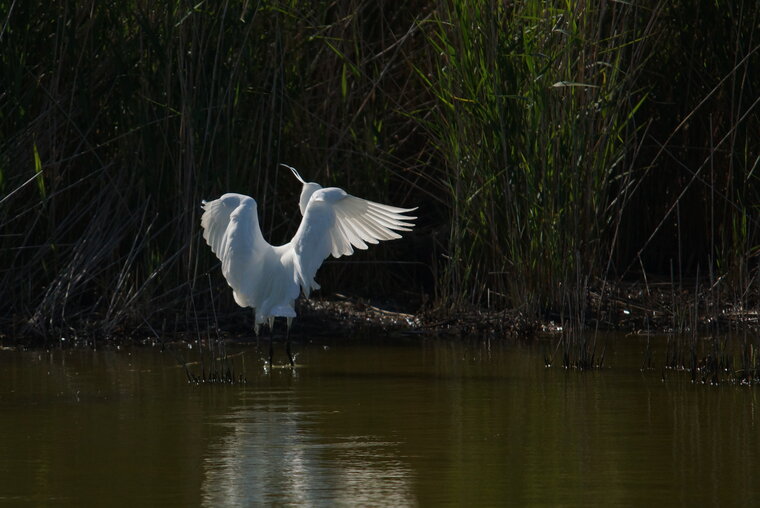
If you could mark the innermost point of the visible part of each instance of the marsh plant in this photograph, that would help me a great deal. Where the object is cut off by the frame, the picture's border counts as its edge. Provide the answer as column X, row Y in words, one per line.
column 553, row 147
column 534, row 120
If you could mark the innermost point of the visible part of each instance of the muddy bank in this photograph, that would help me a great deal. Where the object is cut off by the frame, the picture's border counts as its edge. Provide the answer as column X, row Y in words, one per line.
column 628, row 307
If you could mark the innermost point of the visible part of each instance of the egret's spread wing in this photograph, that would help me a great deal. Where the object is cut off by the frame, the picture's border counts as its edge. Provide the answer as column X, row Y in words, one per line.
column 231, row 229
column 359, row 222
column 334, row 222
column 216, row 219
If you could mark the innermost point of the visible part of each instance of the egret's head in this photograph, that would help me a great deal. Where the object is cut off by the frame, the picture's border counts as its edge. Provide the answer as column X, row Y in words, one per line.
column 308, row 189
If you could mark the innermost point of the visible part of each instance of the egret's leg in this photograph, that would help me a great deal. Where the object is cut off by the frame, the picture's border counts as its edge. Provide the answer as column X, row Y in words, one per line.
column 287, row 342
column 271, row 339
column 256, row 328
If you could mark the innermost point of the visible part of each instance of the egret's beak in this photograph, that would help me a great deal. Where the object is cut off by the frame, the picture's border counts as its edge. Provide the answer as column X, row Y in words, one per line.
column 294, row 172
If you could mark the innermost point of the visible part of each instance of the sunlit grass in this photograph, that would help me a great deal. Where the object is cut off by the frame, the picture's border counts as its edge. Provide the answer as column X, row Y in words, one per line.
column 533, row 123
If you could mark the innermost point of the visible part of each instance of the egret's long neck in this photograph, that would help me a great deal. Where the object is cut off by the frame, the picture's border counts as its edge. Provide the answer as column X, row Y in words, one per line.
column 306, row 192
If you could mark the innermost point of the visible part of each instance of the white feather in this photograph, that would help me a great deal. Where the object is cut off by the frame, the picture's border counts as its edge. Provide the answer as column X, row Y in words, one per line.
column 268, row 278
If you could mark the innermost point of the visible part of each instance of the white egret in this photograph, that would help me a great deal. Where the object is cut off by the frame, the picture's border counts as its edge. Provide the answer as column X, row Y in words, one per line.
column 270, row 278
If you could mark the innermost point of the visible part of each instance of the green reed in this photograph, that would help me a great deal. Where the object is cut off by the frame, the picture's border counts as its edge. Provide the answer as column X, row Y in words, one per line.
column 533, row 121
column 551, row 145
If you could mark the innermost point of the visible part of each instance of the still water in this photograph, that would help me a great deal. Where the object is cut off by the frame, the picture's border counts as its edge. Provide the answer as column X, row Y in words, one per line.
column 373, row 423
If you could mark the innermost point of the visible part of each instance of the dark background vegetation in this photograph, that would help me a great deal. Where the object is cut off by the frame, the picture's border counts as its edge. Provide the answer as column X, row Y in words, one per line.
column 551, row 146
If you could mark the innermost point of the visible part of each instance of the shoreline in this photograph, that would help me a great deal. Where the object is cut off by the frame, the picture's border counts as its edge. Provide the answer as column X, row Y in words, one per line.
column 633, row 308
